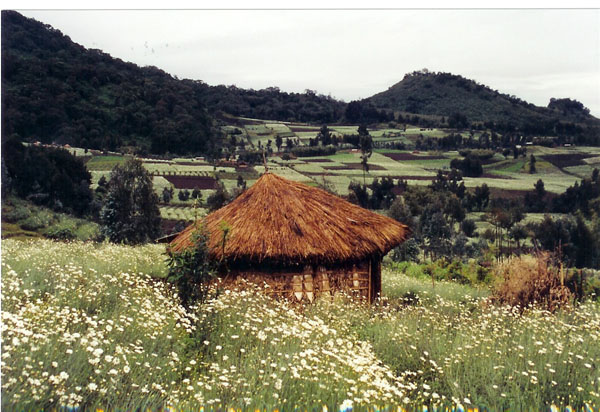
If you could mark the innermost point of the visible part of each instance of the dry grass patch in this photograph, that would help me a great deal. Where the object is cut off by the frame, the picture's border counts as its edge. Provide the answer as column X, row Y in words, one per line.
column 531, row 280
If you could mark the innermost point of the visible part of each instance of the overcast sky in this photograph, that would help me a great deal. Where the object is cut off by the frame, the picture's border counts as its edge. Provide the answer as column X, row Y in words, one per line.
column 353, row 54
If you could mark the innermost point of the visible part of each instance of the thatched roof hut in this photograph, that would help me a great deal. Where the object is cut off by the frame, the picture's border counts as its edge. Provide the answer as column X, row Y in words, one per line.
column 280, row 230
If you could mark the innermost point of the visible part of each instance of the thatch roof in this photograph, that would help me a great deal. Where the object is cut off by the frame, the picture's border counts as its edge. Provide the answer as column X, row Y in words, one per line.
column 286, row 222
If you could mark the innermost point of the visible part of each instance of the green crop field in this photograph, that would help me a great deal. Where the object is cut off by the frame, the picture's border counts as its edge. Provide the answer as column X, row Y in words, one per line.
column 425, row 132
column 326, row 160
column 429, row 164
column 181, row 213
column 278, row 127
column 582, row 171
column 556, row 183
column 104, row 163
column 592, row 160
column 231, row 184
column 382, row 140
column 345, row 129
column 306, row 135
column 339, row 184
column 386, row 133
column 310, row 168
column 511, row 166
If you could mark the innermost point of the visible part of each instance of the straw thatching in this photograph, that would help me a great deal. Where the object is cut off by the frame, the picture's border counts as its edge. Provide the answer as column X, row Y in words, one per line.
column 280, row 222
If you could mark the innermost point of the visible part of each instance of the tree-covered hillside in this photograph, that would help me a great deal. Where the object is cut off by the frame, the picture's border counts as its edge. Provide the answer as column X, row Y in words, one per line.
column 273, row 104
column 456, row 97
column 54, row 90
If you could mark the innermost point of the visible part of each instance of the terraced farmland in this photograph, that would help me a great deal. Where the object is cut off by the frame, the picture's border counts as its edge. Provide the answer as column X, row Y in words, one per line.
column 558, row 167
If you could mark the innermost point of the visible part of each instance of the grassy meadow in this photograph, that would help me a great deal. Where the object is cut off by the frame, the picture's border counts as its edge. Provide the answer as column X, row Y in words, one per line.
column 24, row 220
column 94, row 326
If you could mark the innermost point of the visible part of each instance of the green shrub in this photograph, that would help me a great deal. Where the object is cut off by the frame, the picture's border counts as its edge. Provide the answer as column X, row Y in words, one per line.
column 483, row 274
column 61, row 234
column 16, row 214
column 591, row 285
column 88, row 231
column 584, row 283
column 411, row 269
column 481, row 154
column 191, row 270
column 61, row 231
column 32, row 223
column 457, row 273
column 37, row 221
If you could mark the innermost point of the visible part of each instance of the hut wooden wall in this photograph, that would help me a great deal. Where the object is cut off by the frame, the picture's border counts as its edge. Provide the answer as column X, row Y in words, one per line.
column 361, row 281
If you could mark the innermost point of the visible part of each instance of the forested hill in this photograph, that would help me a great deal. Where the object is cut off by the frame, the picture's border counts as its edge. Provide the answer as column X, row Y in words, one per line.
column 54, row 90
column 273, row 104
column 446, row 94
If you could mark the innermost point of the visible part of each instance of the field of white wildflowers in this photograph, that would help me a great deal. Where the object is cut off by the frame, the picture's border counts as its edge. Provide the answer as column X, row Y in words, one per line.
column 92, row 326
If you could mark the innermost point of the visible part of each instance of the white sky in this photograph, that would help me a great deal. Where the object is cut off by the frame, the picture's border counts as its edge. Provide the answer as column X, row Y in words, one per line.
column 534, row 54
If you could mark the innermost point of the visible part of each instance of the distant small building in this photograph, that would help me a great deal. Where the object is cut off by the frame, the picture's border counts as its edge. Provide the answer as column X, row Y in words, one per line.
column 300, row 240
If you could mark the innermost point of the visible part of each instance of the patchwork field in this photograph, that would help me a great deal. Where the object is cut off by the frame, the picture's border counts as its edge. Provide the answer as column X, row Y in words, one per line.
column 558, row 167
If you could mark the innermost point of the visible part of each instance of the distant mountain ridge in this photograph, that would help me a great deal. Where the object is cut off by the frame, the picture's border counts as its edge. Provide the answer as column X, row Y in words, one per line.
column 445, row 94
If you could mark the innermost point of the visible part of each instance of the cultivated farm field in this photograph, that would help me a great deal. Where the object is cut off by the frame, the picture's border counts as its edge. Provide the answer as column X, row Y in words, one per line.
column 95, row 326
column 558, row 167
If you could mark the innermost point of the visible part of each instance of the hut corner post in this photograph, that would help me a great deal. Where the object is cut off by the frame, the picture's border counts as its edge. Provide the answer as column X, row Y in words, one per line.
column 370, row 281
column 374, row 278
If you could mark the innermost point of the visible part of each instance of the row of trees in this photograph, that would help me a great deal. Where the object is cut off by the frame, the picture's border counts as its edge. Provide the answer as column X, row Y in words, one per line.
column 582, row 196
column 437, row 214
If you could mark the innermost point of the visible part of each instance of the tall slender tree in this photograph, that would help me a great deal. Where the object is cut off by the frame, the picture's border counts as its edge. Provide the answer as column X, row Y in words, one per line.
column 366, row 149
column 532, row 164
column 130, row 213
